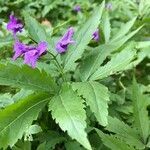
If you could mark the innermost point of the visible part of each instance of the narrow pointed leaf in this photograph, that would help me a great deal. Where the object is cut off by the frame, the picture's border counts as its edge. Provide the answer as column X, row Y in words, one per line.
column 139, row 111
column 125, row 132
column 93, row 61
column 124, row 30
column 106, row 27
column 82, row 38
column 116, row 64
column 112, row 142
column 97, row 98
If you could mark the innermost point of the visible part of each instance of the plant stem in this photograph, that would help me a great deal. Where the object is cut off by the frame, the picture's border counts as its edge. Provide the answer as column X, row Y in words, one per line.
column 58, row 65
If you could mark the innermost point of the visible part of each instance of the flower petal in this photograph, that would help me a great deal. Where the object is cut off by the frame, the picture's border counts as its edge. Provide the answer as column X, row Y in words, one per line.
column 63, row 43
column 19, row 49
column 42, row 46
column 31, row 57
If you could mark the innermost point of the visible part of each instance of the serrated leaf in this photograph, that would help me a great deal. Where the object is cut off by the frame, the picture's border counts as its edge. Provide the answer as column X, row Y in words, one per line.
column 124, row 30
column 97, row 98
column 112, row 142
column 139, row 58
column 82, row 38
column 70, row 115
column 139, row 111
column 125, row 132
column 93, row 61
column 17, row 118
column 116, row 64
column 26, row 77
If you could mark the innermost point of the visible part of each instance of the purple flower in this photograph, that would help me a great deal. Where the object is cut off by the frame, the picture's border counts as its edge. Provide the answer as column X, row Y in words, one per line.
column 14, row 25
column 31, row 53
column 19, row 49
column 109, row 6
column 77, row 8
column 96, row 35
column 63, row 43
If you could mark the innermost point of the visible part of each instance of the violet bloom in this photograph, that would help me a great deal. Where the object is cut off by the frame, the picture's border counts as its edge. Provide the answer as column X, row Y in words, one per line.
column 109, row 6
column 19, row 49
column 96, row 35
column 14, row 25
column 63, row 43
column 77, row 8
column 33, row 53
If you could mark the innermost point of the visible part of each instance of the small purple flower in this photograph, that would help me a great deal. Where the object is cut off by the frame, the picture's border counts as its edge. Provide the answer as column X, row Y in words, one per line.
column 19, row 49
column 77, row 8
column 31, row 58
column 14, row 25
column 63, row 43
column 109, row 6
column 96, row 35
column 31, row 53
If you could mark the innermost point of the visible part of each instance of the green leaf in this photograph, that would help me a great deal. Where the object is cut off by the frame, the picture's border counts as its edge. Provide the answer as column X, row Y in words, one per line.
column 37, row 32
column 112, row 142
column 17, row 118
column 22, row 94
column 116, row 64
column 71, row 115
column 124, row 30
column 50, row 139
column 73, row 145
column 106, row 27
column 82, row 38
column 143, row 44
column 96, row 96
column 26, row 77
column 125, row 132
column 33, row 129
column 93, row 61
column 5, row 100
column 139, row 58
column 20, row 145
column 139, row 111
column 5, row 41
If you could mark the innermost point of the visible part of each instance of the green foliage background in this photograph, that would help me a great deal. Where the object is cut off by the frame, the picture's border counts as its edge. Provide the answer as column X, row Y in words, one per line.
column 96, row 96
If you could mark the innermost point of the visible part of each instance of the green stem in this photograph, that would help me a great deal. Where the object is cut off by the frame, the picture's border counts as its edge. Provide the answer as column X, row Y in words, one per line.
column 121, row 84
column 58, row 65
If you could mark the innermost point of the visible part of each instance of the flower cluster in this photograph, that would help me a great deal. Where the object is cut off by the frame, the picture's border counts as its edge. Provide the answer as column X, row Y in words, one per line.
column 77, row 8
column 14, row 25
column 31, row 53
column 62, row 44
